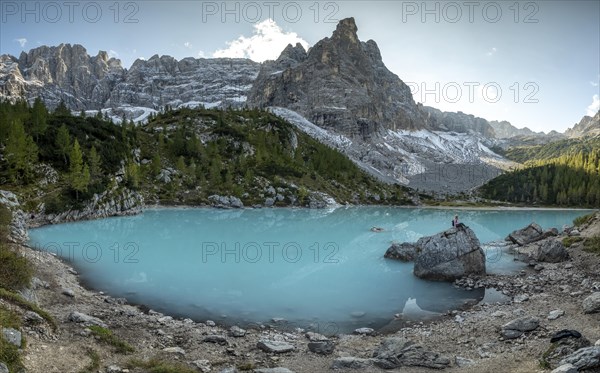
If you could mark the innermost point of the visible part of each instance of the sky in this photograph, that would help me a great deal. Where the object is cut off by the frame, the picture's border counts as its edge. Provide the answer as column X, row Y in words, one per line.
column 535, row 64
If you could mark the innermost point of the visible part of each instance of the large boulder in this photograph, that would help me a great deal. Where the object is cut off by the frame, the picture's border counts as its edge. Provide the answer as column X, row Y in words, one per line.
column 405, row 252
column 531, row 233
column 552, row 251
column 449, row 255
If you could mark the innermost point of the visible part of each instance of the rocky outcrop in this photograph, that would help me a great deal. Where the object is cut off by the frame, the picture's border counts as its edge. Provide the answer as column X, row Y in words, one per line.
column 113, row 202
column 449, row 255
column 459, row 122
column 66, row 72
column 18, row 228
column 225, row 202
column 342, row 84
column 587, row 126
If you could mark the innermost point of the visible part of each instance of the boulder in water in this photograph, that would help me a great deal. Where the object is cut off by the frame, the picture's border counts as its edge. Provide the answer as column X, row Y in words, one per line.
column 449, row 255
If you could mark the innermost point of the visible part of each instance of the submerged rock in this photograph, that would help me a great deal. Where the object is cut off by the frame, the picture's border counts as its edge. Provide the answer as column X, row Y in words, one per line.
column 449, row 255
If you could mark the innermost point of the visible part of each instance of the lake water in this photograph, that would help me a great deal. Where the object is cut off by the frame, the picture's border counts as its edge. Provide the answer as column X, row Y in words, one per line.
column 317, row 269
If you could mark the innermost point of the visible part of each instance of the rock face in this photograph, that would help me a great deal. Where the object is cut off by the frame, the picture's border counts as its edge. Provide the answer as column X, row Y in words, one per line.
column 82, row 318
column 449, row 255
column 396, row 352
column 66, row 72
column 459, row 122
column 552, row 251
column 114, row 202
column 18, row 228
column 587, row 126
column 341, row 83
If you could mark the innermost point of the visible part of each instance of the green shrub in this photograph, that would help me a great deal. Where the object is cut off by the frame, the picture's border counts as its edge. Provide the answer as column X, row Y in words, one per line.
column 94, row 364
column 592, row 245
column 15, row 271
column 9, row 355
column 581, row 220
column 569, row 241
column 109, row 338
column 18, row 300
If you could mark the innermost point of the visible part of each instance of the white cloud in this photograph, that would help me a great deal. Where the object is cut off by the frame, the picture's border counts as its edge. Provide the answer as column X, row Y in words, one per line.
column 201, row 54
column 594, row 107
column 21, row 41
column 113, row 54
column 188, row 45
column 268, row 41
column 492, row 51
column 594, row 84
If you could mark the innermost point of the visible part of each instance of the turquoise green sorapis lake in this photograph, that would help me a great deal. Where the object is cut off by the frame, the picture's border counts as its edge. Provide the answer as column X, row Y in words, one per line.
column 319, row 269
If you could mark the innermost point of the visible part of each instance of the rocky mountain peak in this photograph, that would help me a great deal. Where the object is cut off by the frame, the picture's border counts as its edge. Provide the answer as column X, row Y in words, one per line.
column 346, row 30
column 341, row 84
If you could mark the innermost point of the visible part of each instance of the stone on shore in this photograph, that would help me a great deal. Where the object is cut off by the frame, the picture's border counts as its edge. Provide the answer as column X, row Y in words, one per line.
column 278, row 347
column 531, row 233
column 591, row 304
column 350, row 362
column 552, row 251
column 584, row 358
column 87, row 320
column 517, row 327
column 395, row 352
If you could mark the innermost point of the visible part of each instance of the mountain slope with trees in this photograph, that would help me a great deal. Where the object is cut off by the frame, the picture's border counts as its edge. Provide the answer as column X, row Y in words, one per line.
column 58, row 161
column 563, row 173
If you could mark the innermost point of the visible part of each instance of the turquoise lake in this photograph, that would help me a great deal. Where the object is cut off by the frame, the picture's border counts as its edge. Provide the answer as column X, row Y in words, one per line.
column 318, row 269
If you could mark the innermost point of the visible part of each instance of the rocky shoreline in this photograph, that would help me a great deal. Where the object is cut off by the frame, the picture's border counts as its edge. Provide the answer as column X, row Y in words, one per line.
column 546, row 298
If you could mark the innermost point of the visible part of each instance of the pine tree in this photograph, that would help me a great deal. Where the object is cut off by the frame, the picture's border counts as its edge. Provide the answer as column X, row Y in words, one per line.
column 78, row 176
column 95, row 164
column 21, row 153
column 62, row 109
column 39, row 115
column 63, row 142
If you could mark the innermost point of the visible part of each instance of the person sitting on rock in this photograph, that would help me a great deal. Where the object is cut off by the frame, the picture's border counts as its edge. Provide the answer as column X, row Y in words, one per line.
column 456, row 224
